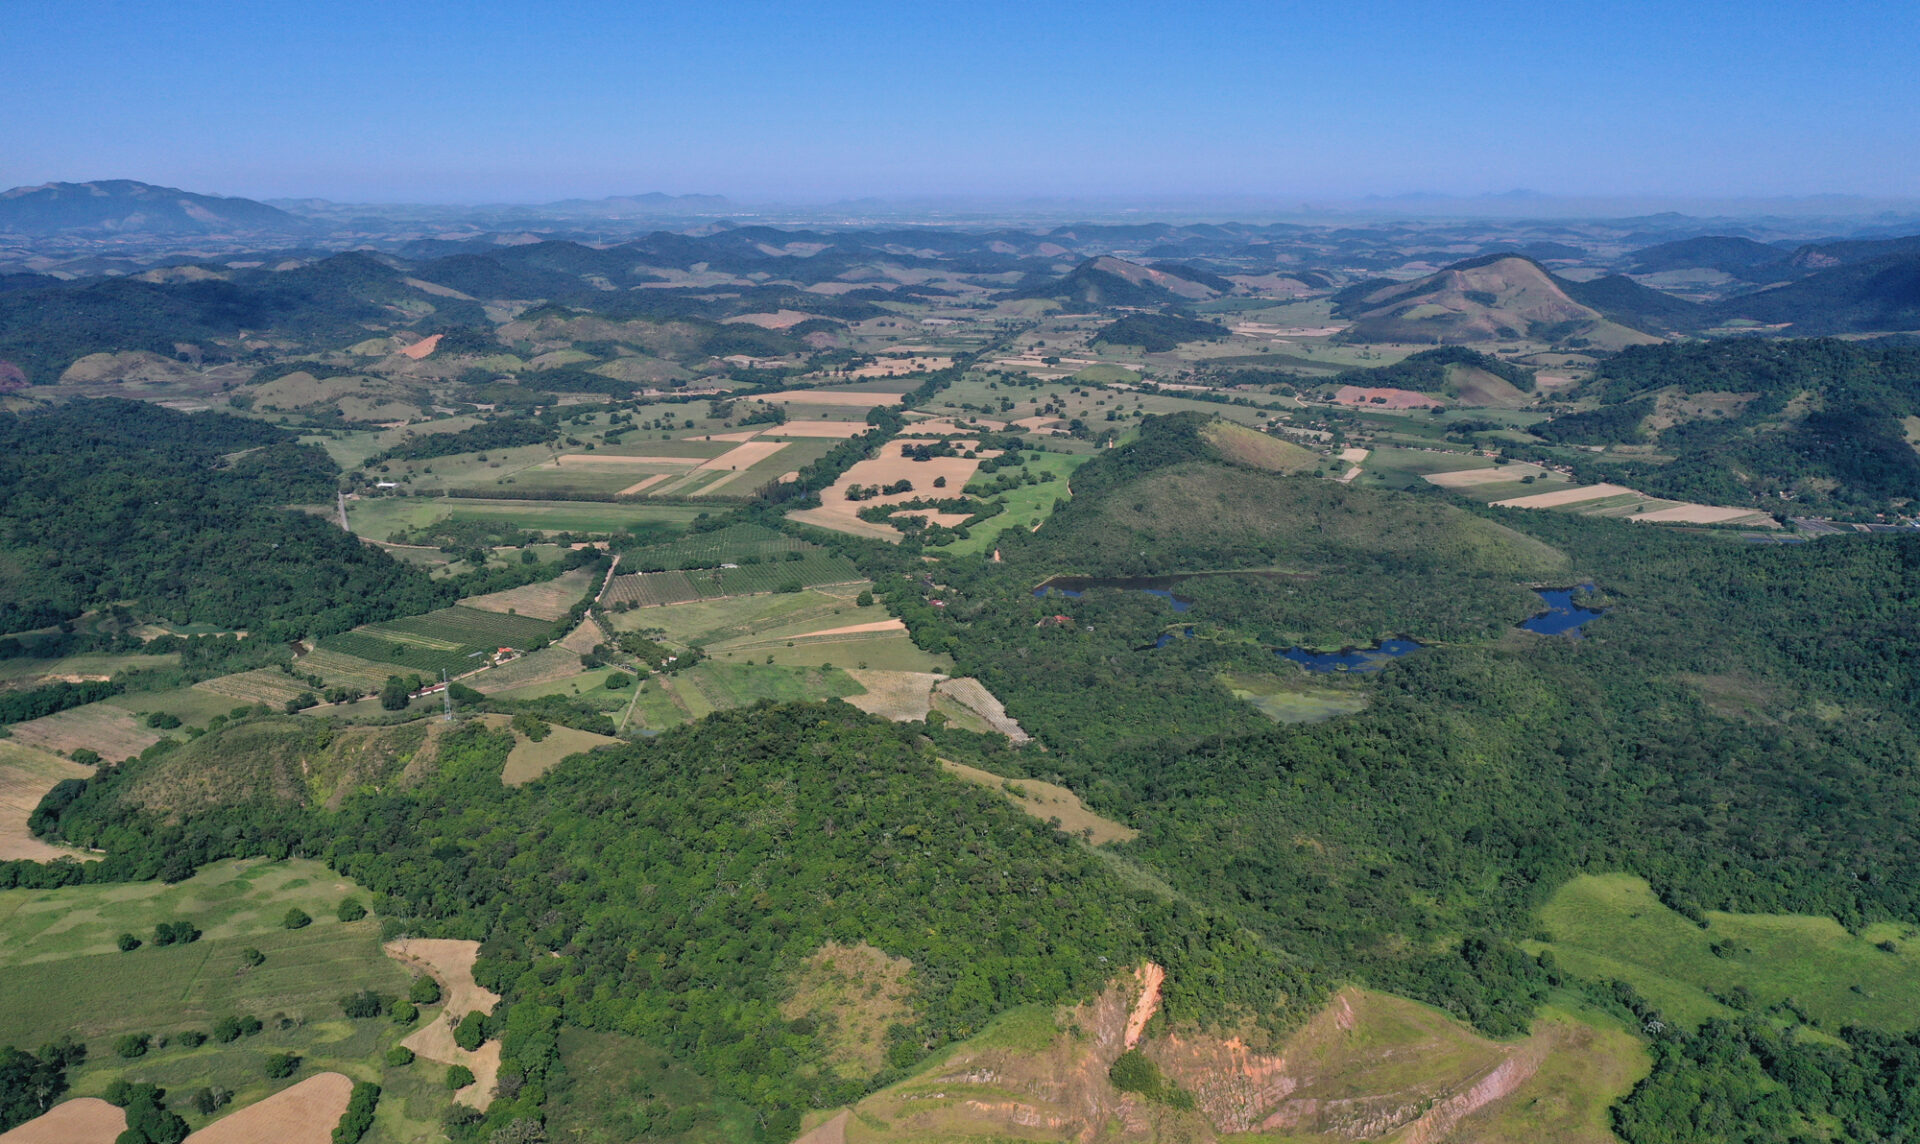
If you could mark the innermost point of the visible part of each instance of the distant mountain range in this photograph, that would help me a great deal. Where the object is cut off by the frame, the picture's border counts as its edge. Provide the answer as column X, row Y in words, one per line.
column 127, row 207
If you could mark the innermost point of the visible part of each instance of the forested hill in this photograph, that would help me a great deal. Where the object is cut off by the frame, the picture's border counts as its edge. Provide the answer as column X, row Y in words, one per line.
column 676, row 908
column 108, row 501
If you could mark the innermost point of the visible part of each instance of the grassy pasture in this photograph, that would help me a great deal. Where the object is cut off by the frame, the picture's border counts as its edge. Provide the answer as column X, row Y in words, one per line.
column 730, row 545
column 380, row 517
column 1048, row 802
column 91, row 665
column 545, row 601
column 231, row 899
column 443, row 640
column 815, row 567
column 892, row 652
column 1286, row 700
column 112, row 731
column 706, row 622
column 262, row 685
column 1026, row 506
column 1612, row 926
column 529, row 760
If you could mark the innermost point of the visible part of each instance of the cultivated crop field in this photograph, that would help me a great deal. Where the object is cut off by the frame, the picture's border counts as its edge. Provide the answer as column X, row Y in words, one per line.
column 267, row 685
column 339, row 668
column 733, row 545
column 708, row 621
column 438, row 641
column 653, row 588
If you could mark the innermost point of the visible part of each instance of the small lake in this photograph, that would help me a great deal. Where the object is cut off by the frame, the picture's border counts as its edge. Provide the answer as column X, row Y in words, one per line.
column 1352, row 659
column 1076, row 586
column 1564, row 614
column 1168, row 637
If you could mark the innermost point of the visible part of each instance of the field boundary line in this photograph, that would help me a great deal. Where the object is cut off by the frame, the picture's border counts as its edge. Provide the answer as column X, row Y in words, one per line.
column 187, row 991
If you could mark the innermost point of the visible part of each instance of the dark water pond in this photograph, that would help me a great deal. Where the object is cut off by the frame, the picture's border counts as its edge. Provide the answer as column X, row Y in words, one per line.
column 1565, row 614
column 1076, row 586
column 1168, row 637
column 1352, row 659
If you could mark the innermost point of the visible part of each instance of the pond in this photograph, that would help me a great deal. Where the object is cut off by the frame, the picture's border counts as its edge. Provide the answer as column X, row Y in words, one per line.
column 1168, row 637
column 1564, row 616
column 1351, row 659
column 1076, row 586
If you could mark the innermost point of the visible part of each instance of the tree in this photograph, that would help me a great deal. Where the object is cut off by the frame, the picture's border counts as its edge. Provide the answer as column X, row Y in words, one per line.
column 351, row 910
column 393, row 694
column 282, row 1065
column 251, row 957
column 399, row 1057
column 127, row 943
column 459, row 1077
column 471, row 1032
column 132, row 1045
column 296, row 918
column 424, row 991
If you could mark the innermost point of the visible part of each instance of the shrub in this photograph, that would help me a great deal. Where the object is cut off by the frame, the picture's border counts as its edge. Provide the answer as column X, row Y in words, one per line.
column 459, row 1077
column 296, row 918
column 424, row 991
column 618, row 679
column 532, row 726
column 282, row 1065
column 403, row 1012
column 192, row 1038
column 362, row 1005
column 358, row 1117
column 471, row 1032
column 85, row 756
column 128, row 943
column 399, row 1057
column 351, row 910
column 252, row 957
column 132, row 1045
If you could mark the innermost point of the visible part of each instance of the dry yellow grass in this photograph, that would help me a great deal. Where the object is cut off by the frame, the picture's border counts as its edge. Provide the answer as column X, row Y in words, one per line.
column 112, row 731
column 450, row 963
column 1048, row 802
column 842, row 515
column 894, row 625
column 545, row 601
column 855, row 992
column 1252, row 447
column 973, row 695
column 303, row 1114
column 1492, row 475
column 529, row 760
column 88, row 1120
column 577, row 460
column 1707, row 514
column 1564, row 497
column 26, row 775
column 641, row 487
column 902, row 696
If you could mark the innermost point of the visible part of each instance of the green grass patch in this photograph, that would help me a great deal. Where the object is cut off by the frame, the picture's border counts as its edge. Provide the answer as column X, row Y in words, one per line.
column 1026, row 506
column 1606, row 926
column 1286, row 700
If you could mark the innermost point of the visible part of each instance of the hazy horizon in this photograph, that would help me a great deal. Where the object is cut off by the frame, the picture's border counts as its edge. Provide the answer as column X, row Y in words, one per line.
column 484, row 104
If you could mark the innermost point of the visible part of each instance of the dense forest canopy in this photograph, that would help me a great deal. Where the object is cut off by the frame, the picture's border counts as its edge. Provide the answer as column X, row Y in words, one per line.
column 110, row 500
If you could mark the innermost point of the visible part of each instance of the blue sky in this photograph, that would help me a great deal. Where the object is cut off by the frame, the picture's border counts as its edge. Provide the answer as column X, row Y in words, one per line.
column 489, row 102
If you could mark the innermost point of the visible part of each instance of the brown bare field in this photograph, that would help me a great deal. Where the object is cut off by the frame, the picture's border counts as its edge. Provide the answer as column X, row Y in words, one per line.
column 112, row 731
column 1046, row 801
column 450, row 963
column 579, row 459
column 1708, row 514
column 26, row 775
column 745, row 455
column 547, row 601
column 583, row 638
column 833, row 397
column 819, row 429
column 88, row 1120
column 716, row 486
column 1389, row 398
column 894, row 625
column 902, row 696
column 863, row 991
column 1468, row 478
column 973, row 694
column 1354, row 456
column 842, row 515
column 1565, row 497
column 303, row 1114
column 634, row 489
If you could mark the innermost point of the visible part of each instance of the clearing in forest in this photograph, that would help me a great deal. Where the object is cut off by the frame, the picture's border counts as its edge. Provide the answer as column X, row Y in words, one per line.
column 842, row 515
column 855, row 993
column 546, row 601
column 529, row 760
column 450, row 962
column 1048, row 802
column 1252, row 447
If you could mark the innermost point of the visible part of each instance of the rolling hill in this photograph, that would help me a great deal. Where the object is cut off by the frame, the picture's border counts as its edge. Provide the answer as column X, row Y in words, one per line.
column 1497, row 298
column 127, row 207
column 1740, row 257
column 1108, row 281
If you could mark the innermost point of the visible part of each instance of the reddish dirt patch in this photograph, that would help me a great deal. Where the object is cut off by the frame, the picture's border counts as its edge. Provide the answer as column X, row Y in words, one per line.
column 421, row 349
